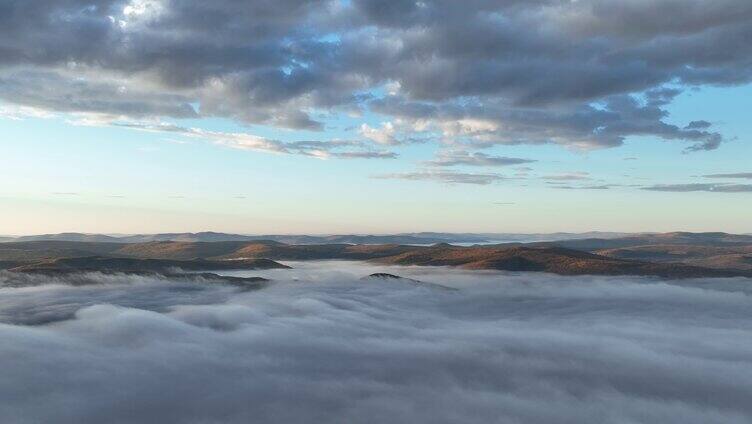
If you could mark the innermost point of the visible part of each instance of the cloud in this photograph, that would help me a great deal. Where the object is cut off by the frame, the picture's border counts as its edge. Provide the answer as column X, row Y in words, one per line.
column 582, row 74
column 245, row 141
column 69, row 91
column 17, row 113
column 453, row 158
column 716, row 188
column 746, row 175
column 586, row 187
column 382, row 135
column 528, row 348
column 695, row 125
column 487, row 123
column 570, row 176
column 448, row 177
column 366, row 155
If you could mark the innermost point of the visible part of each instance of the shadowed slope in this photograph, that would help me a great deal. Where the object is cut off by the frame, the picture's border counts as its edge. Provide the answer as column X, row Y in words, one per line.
column 549, row 259
column 97, row 263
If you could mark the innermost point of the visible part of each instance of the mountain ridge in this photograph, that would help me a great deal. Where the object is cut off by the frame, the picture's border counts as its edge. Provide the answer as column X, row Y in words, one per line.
column 399, row 238
column 509, row 257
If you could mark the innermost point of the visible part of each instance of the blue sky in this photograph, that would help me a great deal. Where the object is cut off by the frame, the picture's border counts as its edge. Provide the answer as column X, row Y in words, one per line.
column 57, row 176
column 108, row 140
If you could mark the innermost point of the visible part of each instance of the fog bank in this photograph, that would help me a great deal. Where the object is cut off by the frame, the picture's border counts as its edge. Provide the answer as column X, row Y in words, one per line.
column 321, row 345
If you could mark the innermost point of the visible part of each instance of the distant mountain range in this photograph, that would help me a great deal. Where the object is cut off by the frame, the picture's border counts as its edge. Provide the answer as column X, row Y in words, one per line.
column 677, row 254
column 121, row 264
column 404, row 238
column 72, row 256
column 716, row 239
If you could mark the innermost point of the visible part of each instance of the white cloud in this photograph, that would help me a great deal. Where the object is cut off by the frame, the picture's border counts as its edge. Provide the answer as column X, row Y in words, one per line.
column 382, row 135
column 568, row 176
column 448, row 177
column 346, row 149
column 459, row 157
column 17, row 113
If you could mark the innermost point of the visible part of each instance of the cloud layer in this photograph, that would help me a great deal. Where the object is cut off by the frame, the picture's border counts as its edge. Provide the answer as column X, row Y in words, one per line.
column 448, row 177
column 715, row 188
column 321, row 345
column 744, row 175
column 584, row 74
column 454, row 158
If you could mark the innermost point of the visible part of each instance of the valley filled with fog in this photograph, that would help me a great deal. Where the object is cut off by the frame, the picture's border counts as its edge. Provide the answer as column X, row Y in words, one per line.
column 319, row 343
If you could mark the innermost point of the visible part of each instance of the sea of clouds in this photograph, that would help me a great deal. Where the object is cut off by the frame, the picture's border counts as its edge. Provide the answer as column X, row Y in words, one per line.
column 321, row 345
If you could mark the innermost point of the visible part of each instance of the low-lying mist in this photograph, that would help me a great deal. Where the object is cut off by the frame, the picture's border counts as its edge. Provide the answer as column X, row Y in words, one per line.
column 321, row 345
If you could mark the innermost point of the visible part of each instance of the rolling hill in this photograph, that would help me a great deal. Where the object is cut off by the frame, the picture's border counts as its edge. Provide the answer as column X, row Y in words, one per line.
column 217, row 255
column 110, row 264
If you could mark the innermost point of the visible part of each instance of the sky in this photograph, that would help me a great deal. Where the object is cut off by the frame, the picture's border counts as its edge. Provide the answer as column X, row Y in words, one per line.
column 360, row 116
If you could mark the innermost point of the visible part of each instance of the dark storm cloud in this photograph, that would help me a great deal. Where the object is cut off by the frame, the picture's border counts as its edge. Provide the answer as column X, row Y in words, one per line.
column 716, row 188
column 525, row 348
column 585, row 74
column 68, row 93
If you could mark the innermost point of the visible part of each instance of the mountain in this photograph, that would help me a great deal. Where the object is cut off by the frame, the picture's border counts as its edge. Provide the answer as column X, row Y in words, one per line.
column 722, row 257
column 550, row 259
column 486, row 238
column 729, row 261
column 109, row 264
column 207, row 236
column 67, row 237
column 382, row 277
column 676, row 238
column 221, row 255
column 708, row 250
column 38, row 250
column 138, row 238
column 181, row 250
column 424, row 238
